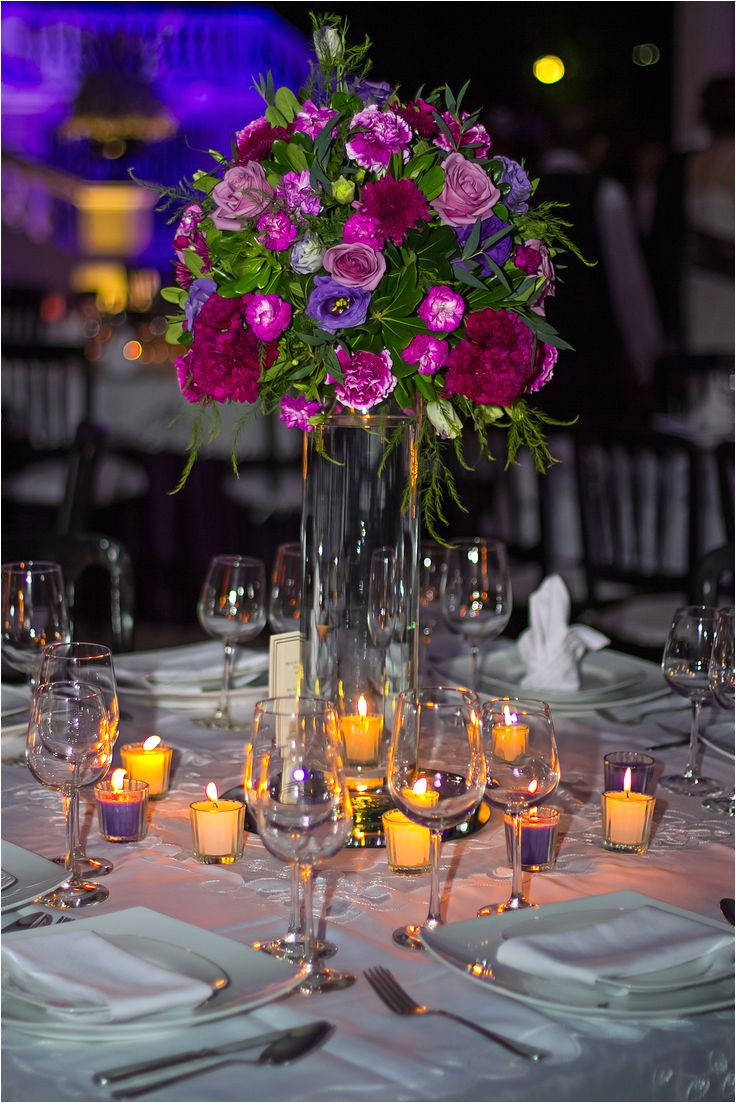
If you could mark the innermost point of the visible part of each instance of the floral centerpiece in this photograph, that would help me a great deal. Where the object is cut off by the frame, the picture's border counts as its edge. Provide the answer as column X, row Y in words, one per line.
column 360, row 248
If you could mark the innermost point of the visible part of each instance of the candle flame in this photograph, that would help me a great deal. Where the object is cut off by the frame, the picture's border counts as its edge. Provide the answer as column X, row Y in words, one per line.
column 532, row 786
column 362, row 706
column 151, row 742
column 211, row 791
column 420, row 786
column 116, row 780
column 627, row 780
column 509, row 716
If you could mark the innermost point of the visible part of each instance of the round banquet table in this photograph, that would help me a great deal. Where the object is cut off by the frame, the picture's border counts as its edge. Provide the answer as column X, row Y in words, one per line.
column 374, row 1055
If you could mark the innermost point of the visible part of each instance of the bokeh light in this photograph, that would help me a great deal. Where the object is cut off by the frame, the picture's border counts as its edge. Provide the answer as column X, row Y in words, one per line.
column 646, row 53
column 132, row 350
column 548, row 69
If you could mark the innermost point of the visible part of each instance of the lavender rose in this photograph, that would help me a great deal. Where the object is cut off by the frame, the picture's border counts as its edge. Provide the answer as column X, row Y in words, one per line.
column 199, row 292
column 368, row 379
column 267, row 315
column 335, row 307
column 442, row 309
column 243, row 193
column 469, row 193
column 353, row 264
column 296, row 412
column 429, row 353
column 520, row 188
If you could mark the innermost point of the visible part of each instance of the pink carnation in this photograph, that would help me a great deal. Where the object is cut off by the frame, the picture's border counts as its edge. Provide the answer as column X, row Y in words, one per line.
column 533, row 258
column 296, row 189
column 442, row 309
column 368, row 379
column 380, row 134
column 267, row 315
column 364, row 229
column 495, row 365
column 189, row 236
column 255, row 140
column 276, row 231
column 475, row 135
column 420, row 115
column 295, row 412
column 429, row 353
column 312, row 119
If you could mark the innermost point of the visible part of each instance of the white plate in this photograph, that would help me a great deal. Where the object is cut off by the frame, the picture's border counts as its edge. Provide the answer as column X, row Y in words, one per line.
column 186, row 670
column 608, row 679
column 33, row 874
column 470, row 948
column 255, row 978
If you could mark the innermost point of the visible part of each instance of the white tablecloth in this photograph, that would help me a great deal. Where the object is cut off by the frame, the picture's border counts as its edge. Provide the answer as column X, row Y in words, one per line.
column 374, row 1055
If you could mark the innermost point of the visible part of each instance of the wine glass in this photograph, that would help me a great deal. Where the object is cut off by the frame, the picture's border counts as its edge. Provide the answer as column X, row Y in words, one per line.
column 231, row 608
column 721, row 677
column 34, row 613
column 523, row 769
column 436, row 775
column 685, row 663
column 431, row 560
column 285, row 599
column 382, row 592
column 296, row 789
column 476, row 593
column 85, row 664
column 68, row 747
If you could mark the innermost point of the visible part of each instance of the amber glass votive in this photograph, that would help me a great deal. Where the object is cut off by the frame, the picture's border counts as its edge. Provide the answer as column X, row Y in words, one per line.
column 150, row 764
column 407, row 843
column 122, row 810
column 627, row 821
column 538, row 838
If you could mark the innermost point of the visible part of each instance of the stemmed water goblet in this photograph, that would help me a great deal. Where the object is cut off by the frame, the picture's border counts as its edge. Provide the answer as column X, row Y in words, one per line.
column 295, row 785
column 382, row 596
column 721, row 677
column 231, row 608
column 34, row 614
column 476, row 593
column 285, row 598
column 85, row 664
column 436, row 775
column 431, row 560
column 685, row 664
column 68, row 747
column 523, row 769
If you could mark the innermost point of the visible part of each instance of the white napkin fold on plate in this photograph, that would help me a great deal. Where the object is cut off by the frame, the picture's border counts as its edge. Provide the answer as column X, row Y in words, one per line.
column 550, row 649
column 186, row 666
column 643, row 940
column 111, row 984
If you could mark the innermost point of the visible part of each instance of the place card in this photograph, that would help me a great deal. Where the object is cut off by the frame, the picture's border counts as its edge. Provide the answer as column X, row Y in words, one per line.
column 284, row 658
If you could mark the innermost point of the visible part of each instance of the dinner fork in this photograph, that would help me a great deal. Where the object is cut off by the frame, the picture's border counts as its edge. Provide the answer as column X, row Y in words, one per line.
column 388, row 989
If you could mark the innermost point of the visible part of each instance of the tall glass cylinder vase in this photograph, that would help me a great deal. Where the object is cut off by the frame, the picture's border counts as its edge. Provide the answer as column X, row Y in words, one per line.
column 360, row 539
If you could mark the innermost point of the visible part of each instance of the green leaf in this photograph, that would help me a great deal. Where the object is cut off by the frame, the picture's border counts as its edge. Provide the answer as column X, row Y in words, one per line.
column 499, row 273
column 324, row 138
column 471, row 244
column 317, row 177
column 287, row 104
column 432, row 182
column 205, row 182
column 403, row 396
column 461, row 96
column 467, row 278
column 425, row 387
column 419, row 164
column 314, row 339
column 275, row 118
column 445, row 129
column 174, row 332
column 173, row 295
column 193, row 262
column 297, row 157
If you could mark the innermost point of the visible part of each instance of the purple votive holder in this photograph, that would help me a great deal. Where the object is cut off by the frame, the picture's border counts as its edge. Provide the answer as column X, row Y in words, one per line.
column 615, row 765
column 122, row 812
column 538, row 838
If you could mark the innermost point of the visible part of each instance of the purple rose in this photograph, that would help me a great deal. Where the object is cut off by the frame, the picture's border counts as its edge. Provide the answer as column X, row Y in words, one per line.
column 296, row 189
column 295, row 412
column 469, row 192
column 243, row 193
column 429, row 353
column 499, row 251
column 370, row 91
column 365, row 229
column 267, row 315
column 441, row 309
column 335, row 307
column 368, row 379
column 520, row 188
column 380, row 134
column 277, row 231
column 354, row 265
column 199, row 292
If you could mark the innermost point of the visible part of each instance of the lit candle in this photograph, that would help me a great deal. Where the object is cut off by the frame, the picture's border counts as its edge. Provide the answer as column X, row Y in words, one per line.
column 149, row 761
column 538, row 838
column 362, row 735
column 420, row 795
column 627, row 818
column 407, row 843
column 510, row 739
column 217, row 827
column 122, row 806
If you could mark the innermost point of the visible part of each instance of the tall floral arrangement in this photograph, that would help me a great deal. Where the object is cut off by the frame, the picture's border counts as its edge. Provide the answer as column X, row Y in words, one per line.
column 362, row 249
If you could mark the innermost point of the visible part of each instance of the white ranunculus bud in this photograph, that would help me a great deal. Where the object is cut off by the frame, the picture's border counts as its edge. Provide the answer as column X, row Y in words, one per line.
column 327, row 45
column 306, row 256
column 445, row 419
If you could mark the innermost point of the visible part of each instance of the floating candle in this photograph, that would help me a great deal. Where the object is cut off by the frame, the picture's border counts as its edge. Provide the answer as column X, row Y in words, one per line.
column 122, row 806
column 217, row 828
column 420, row 795
column 362, row 735
column 509, row 740
column 627, row 818
column 149, row 761
column 407, row 843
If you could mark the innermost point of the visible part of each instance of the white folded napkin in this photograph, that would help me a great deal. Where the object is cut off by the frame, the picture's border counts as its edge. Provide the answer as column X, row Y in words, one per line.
column 550, row 649
column 643, row 940
column 186, row 666
column 82, row 968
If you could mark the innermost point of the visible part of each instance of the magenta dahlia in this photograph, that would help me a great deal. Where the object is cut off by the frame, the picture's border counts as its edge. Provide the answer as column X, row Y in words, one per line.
column 396, row 205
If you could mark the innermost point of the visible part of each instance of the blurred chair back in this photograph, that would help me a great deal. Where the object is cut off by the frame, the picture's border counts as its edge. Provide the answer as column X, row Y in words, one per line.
column 714, row 577
column 82, row 467
column 46, row 393
column 77, row 553
column 724, row 453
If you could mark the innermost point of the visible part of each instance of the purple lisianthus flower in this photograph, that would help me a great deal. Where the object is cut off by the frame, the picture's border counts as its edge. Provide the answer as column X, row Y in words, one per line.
column 520, row 188
column 267, row 315
column 312, row 119
column 199, row 292
column 334, row 306
column 353, row 264
column 499, row 251
column 365, row 229
column 368, row 379
column 442, row 309
column 295, row 412
column 370, row 91
column 277, row 231
column 428, row 353
column 380, row 134
column 296, row 189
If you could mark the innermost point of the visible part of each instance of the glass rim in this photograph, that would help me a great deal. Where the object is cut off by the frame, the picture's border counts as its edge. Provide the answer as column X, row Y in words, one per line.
column 24, row 566
column 264, row 705
column 89, row 689
column 237, row 560
column 639, row 758
column 75, row 650
column 694, row 610
column 534, row 704
column 348, row 420
column 475, row 542
column 470, row 695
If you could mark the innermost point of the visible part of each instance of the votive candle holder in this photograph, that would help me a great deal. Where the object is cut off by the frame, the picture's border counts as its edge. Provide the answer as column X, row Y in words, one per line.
column 615, row 765
column 538, row 838
column 122, row 810
column 407, row 843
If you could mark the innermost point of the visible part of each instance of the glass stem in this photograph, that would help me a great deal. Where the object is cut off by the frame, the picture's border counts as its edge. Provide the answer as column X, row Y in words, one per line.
column 696, row 706
column 295, row 917
column 434, row 919
column 517, row 887
column 223, row 709
column 305, row 876
column 71, row 800
column 474, row 667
